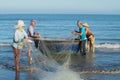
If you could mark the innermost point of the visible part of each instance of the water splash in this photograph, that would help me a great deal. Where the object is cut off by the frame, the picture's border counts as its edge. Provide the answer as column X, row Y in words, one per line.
column 62, row 74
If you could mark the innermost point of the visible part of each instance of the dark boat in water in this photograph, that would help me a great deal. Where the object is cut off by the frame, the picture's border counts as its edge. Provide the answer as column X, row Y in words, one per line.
column 59, row 44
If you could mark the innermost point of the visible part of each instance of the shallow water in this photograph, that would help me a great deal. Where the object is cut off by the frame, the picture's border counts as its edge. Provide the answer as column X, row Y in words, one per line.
column 103, row 65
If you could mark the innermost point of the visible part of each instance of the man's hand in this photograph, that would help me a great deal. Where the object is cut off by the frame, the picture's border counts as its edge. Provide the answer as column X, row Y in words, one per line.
column 21, row 45
column 25, row 40
column 74, row 32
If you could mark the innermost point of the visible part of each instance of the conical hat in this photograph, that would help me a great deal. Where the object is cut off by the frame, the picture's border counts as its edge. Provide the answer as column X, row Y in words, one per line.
column 85, row 25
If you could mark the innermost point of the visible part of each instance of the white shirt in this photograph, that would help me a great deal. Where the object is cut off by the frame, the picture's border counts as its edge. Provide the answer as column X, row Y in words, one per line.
column 31, row 31
column 18, row 37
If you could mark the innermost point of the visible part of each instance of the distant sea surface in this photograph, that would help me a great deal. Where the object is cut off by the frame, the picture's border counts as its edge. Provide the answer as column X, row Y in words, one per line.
column 106, row 28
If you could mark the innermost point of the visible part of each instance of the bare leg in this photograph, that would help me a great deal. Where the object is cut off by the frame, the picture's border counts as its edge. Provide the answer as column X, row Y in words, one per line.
column 17, row 58
column 93, row 44
column 17, row 75
column 88, row 46
column 29, row 55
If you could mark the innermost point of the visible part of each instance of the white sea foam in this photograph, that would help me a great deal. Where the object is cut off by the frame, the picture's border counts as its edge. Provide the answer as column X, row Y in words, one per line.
column 108, row 46
column 5, row 44
column 103, row 45
column 62, row 74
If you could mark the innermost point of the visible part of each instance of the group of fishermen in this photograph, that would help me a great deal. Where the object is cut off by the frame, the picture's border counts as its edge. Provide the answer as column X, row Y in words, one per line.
column 21, row 36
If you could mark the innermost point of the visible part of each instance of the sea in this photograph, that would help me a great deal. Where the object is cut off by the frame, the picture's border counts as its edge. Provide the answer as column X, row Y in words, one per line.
column 105, row 27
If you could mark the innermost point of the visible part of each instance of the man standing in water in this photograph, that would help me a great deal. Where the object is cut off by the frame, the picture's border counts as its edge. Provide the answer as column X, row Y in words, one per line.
column 90, row 39
column 82, row 41
column 32, row 34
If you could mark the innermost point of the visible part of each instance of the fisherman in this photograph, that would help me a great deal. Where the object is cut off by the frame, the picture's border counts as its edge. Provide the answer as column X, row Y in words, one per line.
column 90, row 39
column 20, row 36
column 82, row 39
column 34, row 35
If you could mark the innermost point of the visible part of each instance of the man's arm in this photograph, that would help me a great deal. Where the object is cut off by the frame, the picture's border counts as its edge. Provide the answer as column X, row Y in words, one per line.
column 78, row 33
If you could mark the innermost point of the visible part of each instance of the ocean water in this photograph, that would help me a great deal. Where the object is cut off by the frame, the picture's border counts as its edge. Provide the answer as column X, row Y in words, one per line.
column 106, row 28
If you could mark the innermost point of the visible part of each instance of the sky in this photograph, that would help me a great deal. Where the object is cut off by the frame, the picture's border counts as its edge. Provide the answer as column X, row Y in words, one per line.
column 60, row 6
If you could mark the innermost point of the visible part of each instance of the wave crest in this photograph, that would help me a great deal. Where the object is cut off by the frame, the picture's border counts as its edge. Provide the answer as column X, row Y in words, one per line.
column 108, row 46
column 5, row 44
column 101, row 45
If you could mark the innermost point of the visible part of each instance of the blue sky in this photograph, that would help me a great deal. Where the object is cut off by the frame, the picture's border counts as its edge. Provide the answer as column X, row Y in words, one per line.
column 60, row 6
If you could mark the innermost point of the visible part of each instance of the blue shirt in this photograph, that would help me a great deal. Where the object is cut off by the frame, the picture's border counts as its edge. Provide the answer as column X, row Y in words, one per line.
column 83, row 31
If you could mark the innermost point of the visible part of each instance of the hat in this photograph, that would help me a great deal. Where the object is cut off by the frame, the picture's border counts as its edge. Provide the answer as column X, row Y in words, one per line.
column 20, row 23
column 85, row 25
column 33, row 20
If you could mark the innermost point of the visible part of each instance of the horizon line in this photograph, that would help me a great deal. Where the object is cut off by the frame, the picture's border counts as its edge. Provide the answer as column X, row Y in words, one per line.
column 62, row 13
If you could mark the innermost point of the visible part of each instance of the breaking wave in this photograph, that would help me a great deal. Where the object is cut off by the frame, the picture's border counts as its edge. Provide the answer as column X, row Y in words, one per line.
column 5, row 44
column 101, row 45
column 108, row 46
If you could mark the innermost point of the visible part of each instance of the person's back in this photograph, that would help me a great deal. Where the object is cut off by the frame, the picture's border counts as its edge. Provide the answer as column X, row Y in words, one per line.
column 88, row 32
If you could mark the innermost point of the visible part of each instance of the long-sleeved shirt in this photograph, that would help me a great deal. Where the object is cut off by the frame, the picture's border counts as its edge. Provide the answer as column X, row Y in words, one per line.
column 18, row 37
